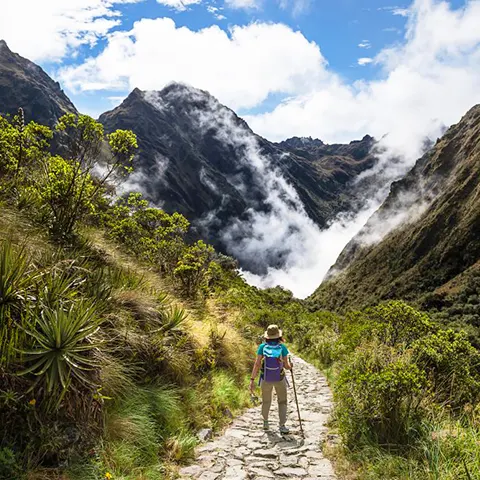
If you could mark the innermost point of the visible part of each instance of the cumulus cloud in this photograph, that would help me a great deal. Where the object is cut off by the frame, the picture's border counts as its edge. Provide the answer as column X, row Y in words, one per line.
column 52, row 29
column 428, row 80
column 364, row 61
column 241, row 67
column 179, row 5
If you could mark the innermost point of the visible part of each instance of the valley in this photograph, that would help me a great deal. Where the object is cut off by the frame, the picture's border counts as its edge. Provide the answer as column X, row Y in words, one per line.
column 140, row 255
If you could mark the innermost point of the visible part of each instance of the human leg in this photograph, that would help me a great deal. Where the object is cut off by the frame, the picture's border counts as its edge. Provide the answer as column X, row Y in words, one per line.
column 281, row 390
column 267, row 390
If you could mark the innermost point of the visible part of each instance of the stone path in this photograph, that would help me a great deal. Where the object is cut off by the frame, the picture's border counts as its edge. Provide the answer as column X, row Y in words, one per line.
column 245, row 451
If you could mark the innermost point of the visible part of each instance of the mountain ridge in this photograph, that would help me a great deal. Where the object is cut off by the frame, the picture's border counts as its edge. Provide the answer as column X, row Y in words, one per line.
column 436, row 241
column 25, row 84
column 213, row 167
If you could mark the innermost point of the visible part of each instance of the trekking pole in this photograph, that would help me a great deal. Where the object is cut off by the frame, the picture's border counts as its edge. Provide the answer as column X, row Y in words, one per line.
column 296, row 399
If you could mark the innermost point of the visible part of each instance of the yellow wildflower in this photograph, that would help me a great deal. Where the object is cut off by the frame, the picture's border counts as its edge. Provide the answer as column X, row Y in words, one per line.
column 108, row 475
column 32, row 402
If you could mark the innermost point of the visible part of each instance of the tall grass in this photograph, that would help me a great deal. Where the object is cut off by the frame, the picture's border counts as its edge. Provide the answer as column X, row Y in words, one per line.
column 14, row 282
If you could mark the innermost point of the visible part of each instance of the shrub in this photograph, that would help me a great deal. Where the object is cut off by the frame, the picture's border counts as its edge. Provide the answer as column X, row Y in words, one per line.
column 192, row 267
column 66, row 187
column 9, row 468
column 453, row 366
column 398, row 323
column 378, row 395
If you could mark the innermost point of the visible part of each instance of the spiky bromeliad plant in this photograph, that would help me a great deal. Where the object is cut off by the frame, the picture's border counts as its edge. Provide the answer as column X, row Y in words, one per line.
column 62, row 348
column 14, row 280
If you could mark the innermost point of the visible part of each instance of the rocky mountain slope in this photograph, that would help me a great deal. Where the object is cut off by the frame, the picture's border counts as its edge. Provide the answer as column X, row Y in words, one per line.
column 24, row 84
column 199, row 158
column 430, row 251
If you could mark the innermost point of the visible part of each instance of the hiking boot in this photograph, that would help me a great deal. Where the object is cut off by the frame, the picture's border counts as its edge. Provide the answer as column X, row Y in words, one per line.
column 265, row 425
column 284, row 430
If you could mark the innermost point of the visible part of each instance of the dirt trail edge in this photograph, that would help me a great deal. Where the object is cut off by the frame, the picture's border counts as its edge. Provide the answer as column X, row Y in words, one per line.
column 245, row 451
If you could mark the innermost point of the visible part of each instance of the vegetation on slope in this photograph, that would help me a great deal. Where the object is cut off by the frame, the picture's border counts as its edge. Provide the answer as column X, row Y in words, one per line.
column 406, row 389
column 120, row 339
column 431, row 257
column 113, row 352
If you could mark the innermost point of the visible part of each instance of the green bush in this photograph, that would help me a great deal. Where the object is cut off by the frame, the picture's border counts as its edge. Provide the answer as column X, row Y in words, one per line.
column 452, row 365
column 398, row 323
column 9, row 468
column 378, row 395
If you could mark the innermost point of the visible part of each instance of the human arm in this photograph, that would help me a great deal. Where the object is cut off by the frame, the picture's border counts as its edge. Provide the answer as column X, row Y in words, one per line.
column 287, row 364
column 256, row 369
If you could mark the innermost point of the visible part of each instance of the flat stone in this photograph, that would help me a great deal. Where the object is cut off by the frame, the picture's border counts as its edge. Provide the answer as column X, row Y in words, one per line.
column 324, row 468
column 303, row 462
column 235, row 473
column 240, row 452
column 314, row 454
column 191, row 471
column 261, row 471
column 271, row 453
column 208, row 476
column 232, row 462
column 291, row 472
column 205, row 434
column 288, row 460
column 236, row 433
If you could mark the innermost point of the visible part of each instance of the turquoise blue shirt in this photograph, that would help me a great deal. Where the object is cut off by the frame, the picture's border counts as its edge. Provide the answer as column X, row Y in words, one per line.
column 284, row 349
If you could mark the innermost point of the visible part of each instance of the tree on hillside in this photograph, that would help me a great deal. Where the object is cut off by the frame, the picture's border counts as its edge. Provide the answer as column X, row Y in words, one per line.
column 71, row 184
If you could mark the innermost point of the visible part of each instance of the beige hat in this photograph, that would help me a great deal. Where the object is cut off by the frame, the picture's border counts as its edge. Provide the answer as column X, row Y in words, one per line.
column 273, row 332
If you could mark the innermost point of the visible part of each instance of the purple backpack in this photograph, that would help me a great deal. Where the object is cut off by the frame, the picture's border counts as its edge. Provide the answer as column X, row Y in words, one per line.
column 272, row 363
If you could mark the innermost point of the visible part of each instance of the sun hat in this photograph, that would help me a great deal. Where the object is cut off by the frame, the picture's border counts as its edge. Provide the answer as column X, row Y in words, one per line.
column 273, row 332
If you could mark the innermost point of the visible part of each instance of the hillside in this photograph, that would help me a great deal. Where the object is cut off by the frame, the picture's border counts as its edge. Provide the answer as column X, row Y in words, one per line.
column 431, row 223
column 199, row 158
column 24, row 84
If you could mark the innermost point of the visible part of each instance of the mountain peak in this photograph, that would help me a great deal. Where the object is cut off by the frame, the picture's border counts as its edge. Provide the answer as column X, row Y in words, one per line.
column 25, row 84
column 4, row 48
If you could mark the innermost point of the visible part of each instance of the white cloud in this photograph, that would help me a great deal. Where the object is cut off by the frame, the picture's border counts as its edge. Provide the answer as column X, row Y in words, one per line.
column 428, row 81
column 402, row 12
column 215, row 12
column 396, row 10
column 297, row 6
column 248, row 4
column 52, row 29
column 241, row 67
column 364, row 61
column 365, row 44
column 180, row 5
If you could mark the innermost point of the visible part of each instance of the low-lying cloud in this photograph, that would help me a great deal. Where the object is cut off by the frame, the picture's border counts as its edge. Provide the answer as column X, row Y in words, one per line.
column 424, row 82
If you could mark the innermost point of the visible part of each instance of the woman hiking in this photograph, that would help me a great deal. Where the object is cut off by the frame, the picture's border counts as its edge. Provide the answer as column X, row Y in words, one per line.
column 272, row 361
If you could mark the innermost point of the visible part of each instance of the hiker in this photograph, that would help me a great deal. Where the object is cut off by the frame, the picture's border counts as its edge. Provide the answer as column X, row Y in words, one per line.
column 272, row 360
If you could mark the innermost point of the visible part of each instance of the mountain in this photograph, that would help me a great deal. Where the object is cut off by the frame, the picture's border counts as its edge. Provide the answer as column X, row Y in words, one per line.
column 24, row 84
column 423, row 244
column 198, row 157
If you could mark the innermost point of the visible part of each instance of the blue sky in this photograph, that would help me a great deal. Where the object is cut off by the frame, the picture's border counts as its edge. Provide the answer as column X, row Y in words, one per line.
column 332, row 69
column 338, row 27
